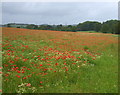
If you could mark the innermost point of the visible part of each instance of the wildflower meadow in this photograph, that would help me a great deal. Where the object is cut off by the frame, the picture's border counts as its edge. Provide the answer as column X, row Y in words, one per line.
column 44, row 61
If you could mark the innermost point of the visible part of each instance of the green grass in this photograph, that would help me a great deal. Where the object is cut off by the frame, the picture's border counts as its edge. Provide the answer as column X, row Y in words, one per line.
column 88, row 31
column 116, row 35
column 75, row 71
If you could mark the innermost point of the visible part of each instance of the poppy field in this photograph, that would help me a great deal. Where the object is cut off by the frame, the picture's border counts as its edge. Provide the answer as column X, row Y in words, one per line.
column 44, row 61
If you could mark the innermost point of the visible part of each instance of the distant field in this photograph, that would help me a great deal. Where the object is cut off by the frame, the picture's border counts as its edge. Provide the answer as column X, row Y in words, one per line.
column 89, row 31
column 42, row 61
column 94, row 32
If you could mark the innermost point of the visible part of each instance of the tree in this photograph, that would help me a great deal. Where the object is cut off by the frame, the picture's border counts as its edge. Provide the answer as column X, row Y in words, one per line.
column 32, row 26
column 89, row 26
column 59, row 27
column 79, row 27
column 110, row 26
column 8, row 25
column 105, row 28
column 118, row 28
column 97, row 26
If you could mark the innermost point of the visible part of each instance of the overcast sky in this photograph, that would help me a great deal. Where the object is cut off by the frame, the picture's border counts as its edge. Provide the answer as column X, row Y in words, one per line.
column 58, row 12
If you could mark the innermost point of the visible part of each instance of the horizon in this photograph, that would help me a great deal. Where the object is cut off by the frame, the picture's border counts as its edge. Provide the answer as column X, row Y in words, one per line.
column 57, row 24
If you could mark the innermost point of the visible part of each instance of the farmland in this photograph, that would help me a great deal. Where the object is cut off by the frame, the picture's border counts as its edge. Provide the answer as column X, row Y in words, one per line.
column 44, row 61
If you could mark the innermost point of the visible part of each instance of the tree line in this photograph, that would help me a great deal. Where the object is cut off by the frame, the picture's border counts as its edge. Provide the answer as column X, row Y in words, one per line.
column 110, row 26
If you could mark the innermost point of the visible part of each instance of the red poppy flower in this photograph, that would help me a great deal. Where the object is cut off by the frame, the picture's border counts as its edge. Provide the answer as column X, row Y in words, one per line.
column 66, row 69
column 11, row 61
column 22, row 69
column 6, row 79
column 25, row 60
column 8, row 53
column 56, row 64
column 23, row 72
column 24, row 78
column 41, row 82
column 6, row 75
column 42, row 59
column 18, row 71
column 73, row 63
column 18, row 76
column 65, row 64
column 28, row 84
column 41, row 65
column 17, row 67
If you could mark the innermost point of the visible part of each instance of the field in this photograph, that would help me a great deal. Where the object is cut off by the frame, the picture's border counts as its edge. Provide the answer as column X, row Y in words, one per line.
column 43, row 61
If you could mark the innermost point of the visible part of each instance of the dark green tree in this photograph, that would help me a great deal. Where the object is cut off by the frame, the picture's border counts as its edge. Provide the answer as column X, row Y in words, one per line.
column 110, row 26
column 32, row 26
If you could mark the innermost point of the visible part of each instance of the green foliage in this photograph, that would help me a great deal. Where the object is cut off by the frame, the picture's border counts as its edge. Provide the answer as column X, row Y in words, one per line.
column 8, row 25
column 110, row 26
column 32, row 26
column 89, row 26
column 86, row 47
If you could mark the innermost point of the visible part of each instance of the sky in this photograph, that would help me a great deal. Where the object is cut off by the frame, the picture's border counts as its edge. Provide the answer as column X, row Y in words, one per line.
column 66, row 13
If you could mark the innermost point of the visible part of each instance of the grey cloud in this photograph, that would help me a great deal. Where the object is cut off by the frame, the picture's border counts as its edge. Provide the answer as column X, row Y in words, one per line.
column 58, row 13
